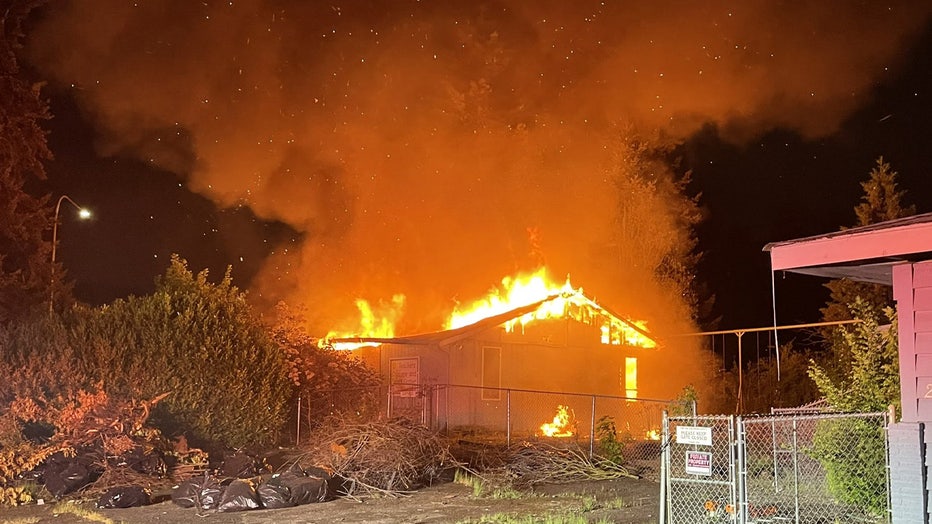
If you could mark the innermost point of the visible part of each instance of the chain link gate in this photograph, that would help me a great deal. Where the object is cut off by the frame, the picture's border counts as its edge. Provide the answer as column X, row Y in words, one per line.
column 801, row 469
column 814, row 468
column 698, row 476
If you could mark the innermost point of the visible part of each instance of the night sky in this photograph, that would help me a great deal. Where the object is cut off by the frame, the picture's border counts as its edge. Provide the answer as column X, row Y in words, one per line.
column 360, row 149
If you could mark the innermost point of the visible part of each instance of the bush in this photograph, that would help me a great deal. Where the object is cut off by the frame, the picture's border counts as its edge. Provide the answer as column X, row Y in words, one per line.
column 200, row 342
column 335, row 382
column 852, row 451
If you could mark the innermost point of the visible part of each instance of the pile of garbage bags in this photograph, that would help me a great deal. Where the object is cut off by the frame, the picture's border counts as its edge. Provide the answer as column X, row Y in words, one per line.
column 241, row 482
column 294, row 487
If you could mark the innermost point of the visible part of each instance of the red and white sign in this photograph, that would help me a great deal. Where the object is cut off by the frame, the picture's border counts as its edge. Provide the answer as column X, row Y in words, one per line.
column 699, row 463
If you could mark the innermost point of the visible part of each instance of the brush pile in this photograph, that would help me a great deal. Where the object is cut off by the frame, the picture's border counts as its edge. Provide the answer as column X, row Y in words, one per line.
column 391, row 458
column 531, row 464
column 89, row 443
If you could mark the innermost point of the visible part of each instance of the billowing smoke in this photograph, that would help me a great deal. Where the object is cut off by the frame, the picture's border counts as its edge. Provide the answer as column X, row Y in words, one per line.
column 415, row 144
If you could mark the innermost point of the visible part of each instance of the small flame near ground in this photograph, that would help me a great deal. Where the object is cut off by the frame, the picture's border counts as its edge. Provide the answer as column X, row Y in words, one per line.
column 561, row 425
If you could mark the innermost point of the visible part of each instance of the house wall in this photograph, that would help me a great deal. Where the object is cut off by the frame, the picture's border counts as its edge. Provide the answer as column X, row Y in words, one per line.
column 556, row 356
column 909, row 440
column 912, row 290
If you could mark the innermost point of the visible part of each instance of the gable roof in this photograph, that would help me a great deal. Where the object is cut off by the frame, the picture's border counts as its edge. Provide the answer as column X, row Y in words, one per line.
column 451, row 336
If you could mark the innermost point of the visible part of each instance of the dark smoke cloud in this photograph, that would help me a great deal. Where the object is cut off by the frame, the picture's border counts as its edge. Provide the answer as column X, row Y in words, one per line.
column 415, row 143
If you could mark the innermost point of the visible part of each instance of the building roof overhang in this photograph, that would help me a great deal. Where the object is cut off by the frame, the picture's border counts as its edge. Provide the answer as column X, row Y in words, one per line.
column 866, row 253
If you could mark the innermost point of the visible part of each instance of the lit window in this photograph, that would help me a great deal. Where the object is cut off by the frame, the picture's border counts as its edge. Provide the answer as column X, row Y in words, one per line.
column 631, row 377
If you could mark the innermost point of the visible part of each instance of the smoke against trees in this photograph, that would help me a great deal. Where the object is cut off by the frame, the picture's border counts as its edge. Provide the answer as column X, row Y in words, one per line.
column 415, row 145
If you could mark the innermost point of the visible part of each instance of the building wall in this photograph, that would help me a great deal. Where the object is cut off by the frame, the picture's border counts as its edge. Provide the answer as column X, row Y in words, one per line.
column 908, row 468
column 912, row 290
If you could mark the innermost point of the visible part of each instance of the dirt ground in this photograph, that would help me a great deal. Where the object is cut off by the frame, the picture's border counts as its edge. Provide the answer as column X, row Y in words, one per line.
column 624, row 501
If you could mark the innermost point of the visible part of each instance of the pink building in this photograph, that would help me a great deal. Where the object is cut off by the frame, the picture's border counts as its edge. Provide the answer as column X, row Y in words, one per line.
column 897, row 253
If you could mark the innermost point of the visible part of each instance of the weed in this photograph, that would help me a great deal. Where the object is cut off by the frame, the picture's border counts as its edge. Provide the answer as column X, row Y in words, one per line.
column 80, row 511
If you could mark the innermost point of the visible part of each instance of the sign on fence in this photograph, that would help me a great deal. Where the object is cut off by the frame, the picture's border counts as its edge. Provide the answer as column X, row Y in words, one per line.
column 699, row 463
column 695, row 435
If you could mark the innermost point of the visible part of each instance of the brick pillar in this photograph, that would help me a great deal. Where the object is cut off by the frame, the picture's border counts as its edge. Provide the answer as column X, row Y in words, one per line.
column 909, row 495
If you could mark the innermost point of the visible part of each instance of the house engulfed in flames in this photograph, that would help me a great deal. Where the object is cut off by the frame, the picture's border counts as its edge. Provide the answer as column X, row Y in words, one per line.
column 496, row 356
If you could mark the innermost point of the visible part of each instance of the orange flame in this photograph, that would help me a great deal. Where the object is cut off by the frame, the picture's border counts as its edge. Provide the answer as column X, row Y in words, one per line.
column 525, row 290
column 653, row 434
column 560, row 427
column 373, row 323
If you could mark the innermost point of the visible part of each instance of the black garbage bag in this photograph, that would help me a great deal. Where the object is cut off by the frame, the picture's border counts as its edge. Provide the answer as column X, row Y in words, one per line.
column 239, row 465
column 185, row 493
column 305, row 488
column 63, row 478
column 149, row 462
column 62, row 474
column 201, row 492
column 240, row 495
column 274, row 495
column 124, row 497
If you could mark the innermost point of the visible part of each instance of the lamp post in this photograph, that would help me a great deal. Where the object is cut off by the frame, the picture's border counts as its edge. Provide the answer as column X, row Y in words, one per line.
column 83, row 214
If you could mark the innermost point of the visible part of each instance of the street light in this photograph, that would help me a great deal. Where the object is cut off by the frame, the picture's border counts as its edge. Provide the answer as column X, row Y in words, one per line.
column 83, row 214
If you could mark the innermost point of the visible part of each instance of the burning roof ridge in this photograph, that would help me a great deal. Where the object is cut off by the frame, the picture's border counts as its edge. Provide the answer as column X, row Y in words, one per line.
column 452, row 335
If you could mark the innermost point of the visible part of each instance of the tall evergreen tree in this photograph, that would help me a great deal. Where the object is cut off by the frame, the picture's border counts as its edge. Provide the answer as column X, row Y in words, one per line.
column 25, row 257
column 882, row 200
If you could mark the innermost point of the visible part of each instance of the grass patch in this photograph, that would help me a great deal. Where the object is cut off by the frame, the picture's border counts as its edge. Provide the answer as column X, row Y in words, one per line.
column 509, row 518
column 484, row 488
column 24, row 520
column 80, row 511
column 616, row 503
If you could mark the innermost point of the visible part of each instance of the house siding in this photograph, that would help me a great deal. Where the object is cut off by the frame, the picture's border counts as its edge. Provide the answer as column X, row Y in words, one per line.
column 909, row 466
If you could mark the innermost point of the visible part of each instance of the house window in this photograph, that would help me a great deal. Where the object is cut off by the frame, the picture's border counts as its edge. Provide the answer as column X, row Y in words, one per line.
column 491, row 372
column 631, row 377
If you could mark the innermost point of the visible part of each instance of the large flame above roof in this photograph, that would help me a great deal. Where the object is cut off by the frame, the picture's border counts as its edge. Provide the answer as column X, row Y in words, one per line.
column 557, row 301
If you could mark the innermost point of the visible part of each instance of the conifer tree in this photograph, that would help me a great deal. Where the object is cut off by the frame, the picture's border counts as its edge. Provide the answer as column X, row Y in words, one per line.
column 25, row 256
column 882, row 200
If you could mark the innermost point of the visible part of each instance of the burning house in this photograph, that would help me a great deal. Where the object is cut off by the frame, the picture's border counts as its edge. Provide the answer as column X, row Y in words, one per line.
column 497, row 361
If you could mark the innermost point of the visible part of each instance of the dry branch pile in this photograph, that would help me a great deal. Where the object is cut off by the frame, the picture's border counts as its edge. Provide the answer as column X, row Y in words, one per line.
column 392, row 457
column 95, row 442
column 530, row 464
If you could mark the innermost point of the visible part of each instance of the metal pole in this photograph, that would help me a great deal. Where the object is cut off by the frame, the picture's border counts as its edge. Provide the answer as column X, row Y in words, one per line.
column 83, row 213
column 297, row 435
column 508, row 416
column 741, row 450
column 739, row 405
column 664, row 462
column 795, row 472
column 592, row 429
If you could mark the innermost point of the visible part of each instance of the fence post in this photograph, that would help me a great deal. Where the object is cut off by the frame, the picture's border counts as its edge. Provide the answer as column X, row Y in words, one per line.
column 795, row 471
column 664, row 461
column 297, row 436
column 592, row 429
column 508, row 417
column 741, row 479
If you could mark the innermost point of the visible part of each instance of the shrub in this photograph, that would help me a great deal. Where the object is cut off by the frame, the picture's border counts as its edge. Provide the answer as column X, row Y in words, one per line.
column 853, row 454
column 201, row 343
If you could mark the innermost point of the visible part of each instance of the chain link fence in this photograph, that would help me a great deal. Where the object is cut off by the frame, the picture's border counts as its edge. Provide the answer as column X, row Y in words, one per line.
column 815, row 468
column 792, row 468
column 506, row 416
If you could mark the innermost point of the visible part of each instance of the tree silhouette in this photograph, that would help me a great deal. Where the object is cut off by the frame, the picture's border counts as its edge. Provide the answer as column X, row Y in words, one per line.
column 25, row 257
